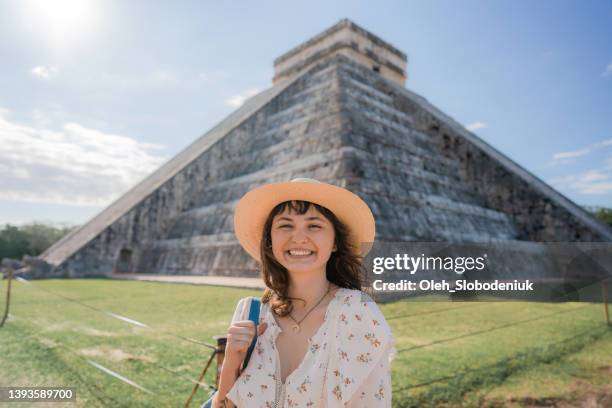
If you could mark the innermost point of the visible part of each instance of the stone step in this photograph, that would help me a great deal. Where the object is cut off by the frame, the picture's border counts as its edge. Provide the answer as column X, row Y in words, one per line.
column 305, row 163
column 219, row 216
column 321, row 166
column 313, row 94
column 384, row 113
column 398, row 150
column 197, row 255
column 366, row 88
column 411, row 223
column 400, row 176
column 286, row 147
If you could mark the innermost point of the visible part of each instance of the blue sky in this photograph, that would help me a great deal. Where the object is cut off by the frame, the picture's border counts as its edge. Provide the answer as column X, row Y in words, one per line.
column 95, row 94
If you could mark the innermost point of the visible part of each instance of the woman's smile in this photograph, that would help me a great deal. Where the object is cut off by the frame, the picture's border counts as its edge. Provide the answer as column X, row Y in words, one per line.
column 300, row 253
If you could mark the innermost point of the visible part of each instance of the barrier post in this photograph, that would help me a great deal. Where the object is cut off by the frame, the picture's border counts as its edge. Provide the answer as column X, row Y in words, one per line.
column 220, row 353
column 8, row 294
column 604, row 293
column 221, row 342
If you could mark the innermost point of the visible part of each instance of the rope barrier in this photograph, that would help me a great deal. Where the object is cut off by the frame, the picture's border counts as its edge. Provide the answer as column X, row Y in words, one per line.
column 113, row 373
column 488, row 366
column 100, row 393
column 479, row 332
column 428, row 312
column 139, row 324
column 119, row 317
column 449, row 309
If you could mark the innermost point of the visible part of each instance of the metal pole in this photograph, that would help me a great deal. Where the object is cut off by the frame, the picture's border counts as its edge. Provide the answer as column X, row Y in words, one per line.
column 221, row 342
column 8, row 295
column 195, row 388
column 220, row 353
column 604, row 293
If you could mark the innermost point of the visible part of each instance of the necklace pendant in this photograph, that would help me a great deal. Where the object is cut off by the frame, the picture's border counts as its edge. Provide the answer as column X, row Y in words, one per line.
column 296, row 328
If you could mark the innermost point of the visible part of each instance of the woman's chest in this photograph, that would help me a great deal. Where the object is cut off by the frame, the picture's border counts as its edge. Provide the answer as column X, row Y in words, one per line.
column 294, row 343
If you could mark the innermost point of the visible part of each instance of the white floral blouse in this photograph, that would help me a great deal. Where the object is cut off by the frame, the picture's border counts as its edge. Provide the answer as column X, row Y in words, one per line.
column 346, row 365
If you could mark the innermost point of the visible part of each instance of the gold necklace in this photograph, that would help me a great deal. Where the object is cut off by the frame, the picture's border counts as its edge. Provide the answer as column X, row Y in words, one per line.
column 296, row 326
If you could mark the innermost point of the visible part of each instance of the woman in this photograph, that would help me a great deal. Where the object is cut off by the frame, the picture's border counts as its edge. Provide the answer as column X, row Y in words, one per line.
column 321, row 341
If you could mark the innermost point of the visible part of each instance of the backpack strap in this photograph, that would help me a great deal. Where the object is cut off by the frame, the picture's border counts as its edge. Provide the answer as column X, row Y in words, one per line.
column 254, row 317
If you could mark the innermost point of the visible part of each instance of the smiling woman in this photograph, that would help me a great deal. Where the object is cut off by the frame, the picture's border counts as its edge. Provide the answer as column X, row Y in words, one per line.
column 321, row 342
column 62, row 23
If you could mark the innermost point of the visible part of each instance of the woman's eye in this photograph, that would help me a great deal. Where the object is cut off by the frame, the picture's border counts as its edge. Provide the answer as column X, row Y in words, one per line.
column 314, row 226
column 284, row 226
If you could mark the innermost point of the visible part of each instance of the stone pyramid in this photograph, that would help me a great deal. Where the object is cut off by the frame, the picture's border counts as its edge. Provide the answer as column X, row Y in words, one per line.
column 338, row 111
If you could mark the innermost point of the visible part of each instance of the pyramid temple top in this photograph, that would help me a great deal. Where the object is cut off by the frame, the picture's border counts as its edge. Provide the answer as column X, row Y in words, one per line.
column 348, row 39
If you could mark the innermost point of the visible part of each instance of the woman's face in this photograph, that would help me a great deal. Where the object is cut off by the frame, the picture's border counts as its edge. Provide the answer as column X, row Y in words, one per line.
column 302, row 243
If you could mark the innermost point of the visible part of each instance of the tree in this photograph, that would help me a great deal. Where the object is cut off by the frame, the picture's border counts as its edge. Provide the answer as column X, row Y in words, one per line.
column 13, row 242
column 605, row 215
column 29, row 239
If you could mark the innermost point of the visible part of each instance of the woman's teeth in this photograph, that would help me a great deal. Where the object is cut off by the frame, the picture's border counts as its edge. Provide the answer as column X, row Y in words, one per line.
column 299, row 252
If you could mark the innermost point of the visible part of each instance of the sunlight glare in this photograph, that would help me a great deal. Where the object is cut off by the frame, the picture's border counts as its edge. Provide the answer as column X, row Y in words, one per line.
column 62, row 22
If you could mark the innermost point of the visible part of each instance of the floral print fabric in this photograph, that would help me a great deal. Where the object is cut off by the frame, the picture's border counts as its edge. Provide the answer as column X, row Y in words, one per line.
column 346, row 365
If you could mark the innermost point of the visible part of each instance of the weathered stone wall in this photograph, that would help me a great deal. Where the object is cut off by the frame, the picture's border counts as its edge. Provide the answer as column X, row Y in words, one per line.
column 416, row 193
column 348, row 39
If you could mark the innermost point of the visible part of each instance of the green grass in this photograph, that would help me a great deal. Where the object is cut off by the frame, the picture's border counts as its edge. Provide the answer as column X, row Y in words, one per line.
column 583, row 378
column 48, row 340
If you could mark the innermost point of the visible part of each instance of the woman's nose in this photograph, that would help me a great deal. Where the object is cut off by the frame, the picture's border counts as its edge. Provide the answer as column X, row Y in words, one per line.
column 299, row 236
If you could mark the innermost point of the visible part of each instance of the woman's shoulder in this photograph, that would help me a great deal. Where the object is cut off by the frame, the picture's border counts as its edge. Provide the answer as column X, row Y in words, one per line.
column 357, row 308
column 355, row 298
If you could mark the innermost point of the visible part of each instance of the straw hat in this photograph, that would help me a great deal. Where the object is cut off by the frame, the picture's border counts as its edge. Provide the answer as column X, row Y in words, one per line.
column 255, row 206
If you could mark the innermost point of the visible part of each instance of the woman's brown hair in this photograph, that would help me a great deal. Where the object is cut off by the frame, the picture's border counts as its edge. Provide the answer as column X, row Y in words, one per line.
column 344, row 268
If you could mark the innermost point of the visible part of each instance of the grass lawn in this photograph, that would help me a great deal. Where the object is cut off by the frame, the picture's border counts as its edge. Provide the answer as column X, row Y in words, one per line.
column 449, row 354
column 580, row 379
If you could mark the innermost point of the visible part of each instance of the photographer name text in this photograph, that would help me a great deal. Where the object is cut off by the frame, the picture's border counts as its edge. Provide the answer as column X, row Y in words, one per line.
column 452, row 286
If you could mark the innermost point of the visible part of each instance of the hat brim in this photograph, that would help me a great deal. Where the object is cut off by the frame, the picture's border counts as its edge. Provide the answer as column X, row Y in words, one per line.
column 255, row 206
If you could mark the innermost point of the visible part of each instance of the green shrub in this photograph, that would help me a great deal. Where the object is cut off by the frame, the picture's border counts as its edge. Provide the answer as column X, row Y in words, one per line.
column 29, row 239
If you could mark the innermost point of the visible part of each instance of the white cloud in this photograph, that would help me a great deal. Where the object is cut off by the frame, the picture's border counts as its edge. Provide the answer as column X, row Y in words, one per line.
column 44, row 72
column 590, row 182
column 475, row 126
column 597, row 188
column 73, row 166
column 236, row 101
column 608, row 70
column 594, row 175
column 572, row 154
